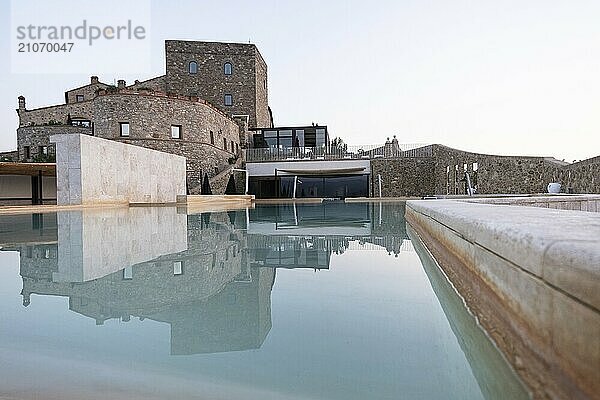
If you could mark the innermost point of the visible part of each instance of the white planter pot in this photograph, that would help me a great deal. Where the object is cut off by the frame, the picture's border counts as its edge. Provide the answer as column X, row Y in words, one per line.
column 554, row 187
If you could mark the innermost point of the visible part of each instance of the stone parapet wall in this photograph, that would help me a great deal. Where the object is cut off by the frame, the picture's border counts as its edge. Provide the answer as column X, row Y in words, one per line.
column 402, row 177
column 57, row 114
column 511, row 174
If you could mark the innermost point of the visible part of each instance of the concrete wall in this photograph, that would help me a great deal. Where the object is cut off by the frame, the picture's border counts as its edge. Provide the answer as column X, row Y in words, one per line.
column 91, row 170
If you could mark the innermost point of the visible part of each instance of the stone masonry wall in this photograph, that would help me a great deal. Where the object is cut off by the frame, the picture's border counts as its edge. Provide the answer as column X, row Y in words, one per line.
column 36, row 136
column 443, row 174
column 88, row 92
column 263, row 116
column 57, row 114
column 150, row 116
column 150, row 119
column 495, row 174
column 210, row 82
column 580, row 177
column 402, row 177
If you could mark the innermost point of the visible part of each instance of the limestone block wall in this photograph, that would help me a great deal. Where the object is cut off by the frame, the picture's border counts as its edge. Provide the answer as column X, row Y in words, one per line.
column 91, row 170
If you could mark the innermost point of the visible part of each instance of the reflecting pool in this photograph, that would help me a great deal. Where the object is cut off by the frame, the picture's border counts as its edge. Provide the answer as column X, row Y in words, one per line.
column 327, row 301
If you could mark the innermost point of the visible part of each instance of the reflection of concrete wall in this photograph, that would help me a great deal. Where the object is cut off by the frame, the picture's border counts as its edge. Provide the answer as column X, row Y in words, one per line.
column 93, row 170
column 95, row 243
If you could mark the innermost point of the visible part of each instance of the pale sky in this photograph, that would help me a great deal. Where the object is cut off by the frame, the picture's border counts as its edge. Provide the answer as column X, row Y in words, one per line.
column 499, row 77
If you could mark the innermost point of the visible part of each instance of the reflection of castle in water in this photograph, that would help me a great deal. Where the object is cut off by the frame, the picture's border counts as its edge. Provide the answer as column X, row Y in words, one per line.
column 208, row 275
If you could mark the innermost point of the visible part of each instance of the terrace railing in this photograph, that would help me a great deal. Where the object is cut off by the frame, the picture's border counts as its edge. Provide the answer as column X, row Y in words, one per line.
column 337, row 153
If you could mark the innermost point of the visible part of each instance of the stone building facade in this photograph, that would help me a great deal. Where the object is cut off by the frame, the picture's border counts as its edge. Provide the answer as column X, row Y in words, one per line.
column 203, row 113
column 213, row 71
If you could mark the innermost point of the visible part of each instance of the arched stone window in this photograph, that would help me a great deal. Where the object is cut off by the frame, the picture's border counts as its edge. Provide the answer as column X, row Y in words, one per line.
column 193, row 67
column 227, row 68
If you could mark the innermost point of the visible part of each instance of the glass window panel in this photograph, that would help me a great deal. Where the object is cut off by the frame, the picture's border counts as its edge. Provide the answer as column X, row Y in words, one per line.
column 309, row 187
column 193, row 67
column 128, row 273
column 175, row 132
column 228, row 100
column 285, row 132
column 271, row 142
column 270, row 134
column 177, row 268
column 320, row 137
column 285, row 141
column 227, row 69
column 299, row 141
column 124, row 129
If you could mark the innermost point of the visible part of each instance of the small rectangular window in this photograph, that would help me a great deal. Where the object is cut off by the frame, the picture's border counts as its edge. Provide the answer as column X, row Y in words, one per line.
column 128, row 273
column 176, row 131
column 178, row 268
column 232, row 146
column 43, row 150
column 79, row 98
column 225, row 144
column 124, row 130
column 228, row 100
column 27, row 151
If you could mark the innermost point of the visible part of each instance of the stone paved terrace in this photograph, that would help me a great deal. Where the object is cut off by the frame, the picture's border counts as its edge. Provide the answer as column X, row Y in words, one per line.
column 532, row 277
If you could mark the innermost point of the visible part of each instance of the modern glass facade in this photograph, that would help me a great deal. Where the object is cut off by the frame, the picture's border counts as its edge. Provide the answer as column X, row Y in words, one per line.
column 281, row 138
column 336, row 186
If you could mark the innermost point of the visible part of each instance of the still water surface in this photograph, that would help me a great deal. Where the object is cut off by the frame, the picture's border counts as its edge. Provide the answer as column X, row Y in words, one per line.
column 328, row 301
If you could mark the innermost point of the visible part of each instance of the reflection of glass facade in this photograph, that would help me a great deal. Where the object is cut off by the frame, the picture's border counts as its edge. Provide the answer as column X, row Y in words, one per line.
column 339, row 186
